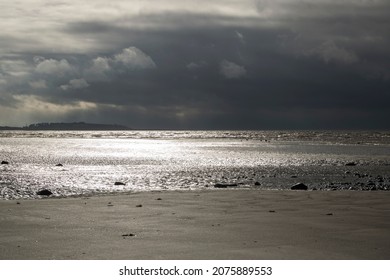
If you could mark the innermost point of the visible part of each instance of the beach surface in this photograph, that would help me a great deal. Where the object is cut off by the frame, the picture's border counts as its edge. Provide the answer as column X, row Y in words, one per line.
column 208, row 224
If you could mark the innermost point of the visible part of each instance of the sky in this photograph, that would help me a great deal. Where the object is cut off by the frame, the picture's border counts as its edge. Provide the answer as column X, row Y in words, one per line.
column 186, row 64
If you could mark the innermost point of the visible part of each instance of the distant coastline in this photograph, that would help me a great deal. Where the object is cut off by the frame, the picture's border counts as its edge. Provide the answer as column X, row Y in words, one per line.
column 67, row 126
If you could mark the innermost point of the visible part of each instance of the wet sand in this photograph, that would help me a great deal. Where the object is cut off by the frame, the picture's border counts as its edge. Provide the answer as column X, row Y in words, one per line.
column 212, row 224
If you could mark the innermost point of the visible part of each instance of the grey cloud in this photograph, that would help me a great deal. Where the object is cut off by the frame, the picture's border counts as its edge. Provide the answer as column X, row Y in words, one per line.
column 98, row 70
column 192, row 66
column 231, row 70
column 296, row 64
column 329, row 52
column 55, row 67
column 38, row 84
column 75, row 84
column 134, row 58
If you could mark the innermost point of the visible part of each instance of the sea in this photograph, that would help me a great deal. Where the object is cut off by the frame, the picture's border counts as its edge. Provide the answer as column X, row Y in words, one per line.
column 87, row 163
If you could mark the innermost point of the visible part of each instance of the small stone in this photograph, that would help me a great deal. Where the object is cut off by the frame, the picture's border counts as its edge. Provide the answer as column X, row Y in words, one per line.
column 224, row 185
column 128, row 234
column 257, row 183
column 4, row 162
column 329, row 214
column 119, row 184
column 294, row 176
column 159, row 198
column 17, row 202
column 299, row 186
column 44, row 192
column 59, row 164
column 350, row 163
column 139, row 205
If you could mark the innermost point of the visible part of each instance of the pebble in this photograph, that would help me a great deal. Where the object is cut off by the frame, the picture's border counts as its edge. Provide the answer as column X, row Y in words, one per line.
column 224, row 185
column 299, row 186
column 44, row 192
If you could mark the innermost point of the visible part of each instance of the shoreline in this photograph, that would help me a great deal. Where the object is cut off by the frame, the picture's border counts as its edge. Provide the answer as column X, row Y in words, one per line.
column 199, row 224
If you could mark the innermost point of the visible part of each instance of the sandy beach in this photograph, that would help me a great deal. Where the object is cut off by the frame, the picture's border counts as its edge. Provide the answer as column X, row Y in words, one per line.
column 213, row 224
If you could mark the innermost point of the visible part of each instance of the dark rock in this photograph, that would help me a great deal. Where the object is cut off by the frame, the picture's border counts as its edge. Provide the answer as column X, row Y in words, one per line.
column 299, row 186
column 329, row 214
column 224, row 185
column 159, row 198
column 139, row 205
column 294, row 176
column 350, row 163
column 45, row 192
column 59, row 164
column 128, row 234
column 257, row 184
column 119, row 184
column 373, row 189
column 4, row 162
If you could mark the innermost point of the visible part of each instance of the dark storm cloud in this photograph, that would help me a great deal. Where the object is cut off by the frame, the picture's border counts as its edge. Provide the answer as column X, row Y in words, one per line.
column 295, row 64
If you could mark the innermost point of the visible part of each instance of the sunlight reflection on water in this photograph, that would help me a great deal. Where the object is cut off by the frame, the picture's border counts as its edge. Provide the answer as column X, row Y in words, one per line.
column 94, row 164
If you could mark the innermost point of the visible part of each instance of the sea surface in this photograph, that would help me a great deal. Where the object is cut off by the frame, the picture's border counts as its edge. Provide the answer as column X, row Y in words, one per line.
column 92, row 161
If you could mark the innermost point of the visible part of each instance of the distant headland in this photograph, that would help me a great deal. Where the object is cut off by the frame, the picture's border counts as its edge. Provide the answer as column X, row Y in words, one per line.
column 67, row 126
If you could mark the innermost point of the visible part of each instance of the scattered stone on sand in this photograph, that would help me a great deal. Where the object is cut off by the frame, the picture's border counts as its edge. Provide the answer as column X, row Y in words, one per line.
column 119, row 184
column 159, row 198
column 257, row 183
column 224, row 185
column 4, row 162
column 272, row 211
column 294, row 176
column 17, row 202
column 350, row 163
column 128, row 234
column 138, row 205
column 59, row 164
column 329, row 214
column 299, row 186
column 44, row 192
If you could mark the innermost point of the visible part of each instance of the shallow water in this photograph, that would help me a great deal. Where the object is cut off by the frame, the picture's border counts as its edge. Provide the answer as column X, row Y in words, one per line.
column 167, row 160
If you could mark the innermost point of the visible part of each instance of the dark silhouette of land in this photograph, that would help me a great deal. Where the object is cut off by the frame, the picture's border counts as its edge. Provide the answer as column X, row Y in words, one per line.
column 67, row 126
